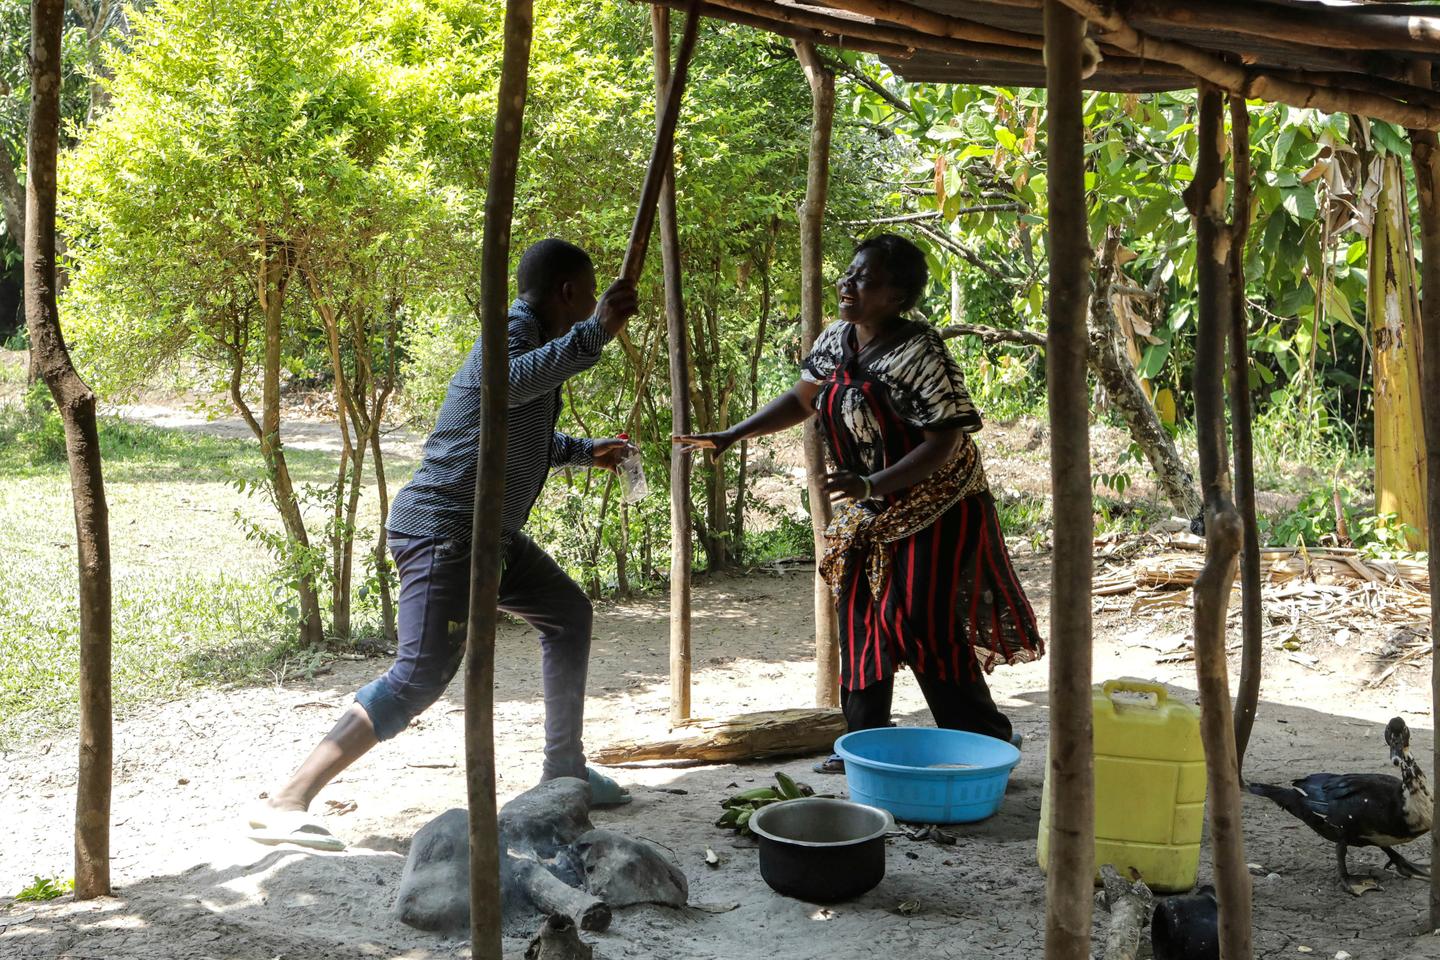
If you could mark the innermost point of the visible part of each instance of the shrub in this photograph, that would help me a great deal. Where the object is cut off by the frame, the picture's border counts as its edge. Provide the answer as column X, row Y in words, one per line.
column 34, row 427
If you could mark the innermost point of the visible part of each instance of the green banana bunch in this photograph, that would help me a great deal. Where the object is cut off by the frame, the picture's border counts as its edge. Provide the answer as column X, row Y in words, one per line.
column 742, row 806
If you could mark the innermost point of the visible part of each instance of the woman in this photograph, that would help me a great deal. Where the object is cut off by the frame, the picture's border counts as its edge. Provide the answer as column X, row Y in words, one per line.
column 915, row 556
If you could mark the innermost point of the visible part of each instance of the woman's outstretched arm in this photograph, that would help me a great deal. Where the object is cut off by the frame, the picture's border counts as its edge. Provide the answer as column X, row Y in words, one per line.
column 795, row 405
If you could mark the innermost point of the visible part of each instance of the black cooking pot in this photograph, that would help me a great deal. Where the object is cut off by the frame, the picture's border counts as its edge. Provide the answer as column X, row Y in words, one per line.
column 1186, row 928
column 821, row 850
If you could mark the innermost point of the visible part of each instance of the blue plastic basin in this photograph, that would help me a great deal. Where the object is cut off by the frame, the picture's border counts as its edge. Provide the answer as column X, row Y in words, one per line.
column 906, row 770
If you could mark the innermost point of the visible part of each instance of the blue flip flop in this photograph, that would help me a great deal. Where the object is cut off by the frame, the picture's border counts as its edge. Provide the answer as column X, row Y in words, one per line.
column 605, row 792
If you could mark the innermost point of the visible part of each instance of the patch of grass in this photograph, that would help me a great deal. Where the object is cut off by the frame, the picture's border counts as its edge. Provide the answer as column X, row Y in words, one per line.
column 1023, row 515
column 1296, row 442
column 1118, row 515
column 31, row 432
column 140, row 453
column 788, row 536
column 195, row 603
column 13, row 365
column 46, row 888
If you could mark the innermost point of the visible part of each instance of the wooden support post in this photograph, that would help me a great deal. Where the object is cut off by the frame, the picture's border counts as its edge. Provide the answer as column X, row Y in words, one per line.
column 485, row 560
column 1223, row 530
column 1426, row 157
column 1070, row 876
column 662, row 155
column 812, row 319
column 75, row 401
column 1241, row 415
column 681, row 549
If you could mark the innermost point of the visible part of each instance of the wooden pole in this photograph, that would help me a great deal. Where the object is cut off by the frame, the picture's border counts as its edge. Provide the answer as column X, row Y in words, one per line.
column 681, row 549
column 1247, row 698
column 812, row 319
column 1223, row 531
column 1070, row 878
column 662, row 155
column 485, row 559
column 1426, row 157
column 76, row 403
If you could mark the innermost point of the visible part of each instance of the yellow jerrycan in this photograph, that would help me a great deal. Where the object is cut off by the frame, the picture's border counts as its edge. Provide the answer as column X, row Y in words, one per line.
column 1149, row 786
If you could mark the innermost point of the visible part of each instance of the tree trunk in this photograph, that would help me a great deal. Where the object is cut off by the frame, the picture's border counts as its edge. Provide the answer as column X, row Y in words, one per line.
column 372, row 417
column 1394, row 318
column 342, row 614
column 76, row 403
column 12, row 196
column 717, row 543
column 1116, row 373
column 485, row 559
column 1070, row 878
column 347, row 481
column 1223, row 532
column 387, row 602
column 737, row 530
column 681, row 549
column 812, row 318
column 1426, row 157
column 1247, row 699
column 275, row 271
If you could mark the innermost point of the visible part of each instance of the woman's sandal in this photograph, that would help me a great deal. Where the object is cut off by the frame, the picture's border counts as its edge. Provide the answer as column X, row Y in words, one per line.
column 832, row 764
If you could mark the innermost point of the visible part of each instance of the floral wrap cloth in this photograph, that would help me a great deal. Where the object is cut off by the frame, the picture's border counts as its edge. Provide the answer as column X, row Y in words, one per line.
column 859, row 534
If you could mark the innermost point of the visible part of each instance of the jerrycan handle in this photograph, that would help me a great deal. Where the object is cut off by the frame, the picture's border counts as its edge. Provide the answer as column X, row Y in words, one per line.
column 1113, row 687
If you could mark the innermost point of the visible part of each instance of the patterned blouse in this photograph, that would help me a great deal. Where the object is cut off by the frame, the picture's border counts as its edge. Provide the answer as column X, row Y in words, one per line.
column 922, row 381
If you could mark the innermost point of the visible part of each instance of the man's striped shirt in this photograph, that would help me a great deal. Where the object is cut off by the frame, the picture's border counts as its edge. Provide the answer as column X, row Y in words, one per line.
column 438, row 501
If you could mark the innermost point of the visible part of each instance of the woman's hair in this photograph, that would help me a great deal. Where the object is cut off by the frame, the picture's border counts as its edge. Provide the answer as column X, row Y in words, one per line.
column 904, row 262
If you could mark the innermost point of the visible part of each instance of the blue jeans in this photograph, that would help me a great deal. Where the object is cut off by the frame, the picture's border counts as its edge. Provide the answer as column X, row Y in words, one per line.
column 431, row 621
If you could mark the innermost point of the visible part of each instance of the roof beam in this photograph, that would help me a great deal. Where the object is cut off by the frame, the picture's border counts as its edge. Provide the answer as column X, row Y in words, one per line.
column 938, row 24
column 1251, row 84
column 847, row 41
column 841, row 22
column 1332, row 28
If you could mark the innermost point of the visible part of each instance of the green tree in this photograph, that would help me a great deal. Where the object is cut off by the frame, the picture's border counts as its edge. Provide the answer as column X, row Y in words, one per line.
column 972, row 160
column 251, row 178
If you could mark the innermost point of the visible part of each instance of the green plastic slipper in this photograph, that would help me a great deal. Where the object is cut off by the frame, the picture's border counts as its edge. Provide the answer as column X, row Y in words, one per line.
column 605, row 792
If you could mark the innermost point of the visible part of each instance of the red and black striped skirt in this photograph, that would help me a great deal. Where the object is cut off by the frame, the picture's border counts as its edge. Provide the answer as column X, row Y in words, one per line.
column 952, row 606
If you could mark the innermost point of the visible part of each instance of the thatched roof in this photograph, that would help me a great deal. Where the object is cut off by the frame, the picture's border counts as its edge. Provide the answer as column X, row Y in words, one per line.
column 1366, row 58
column 1273, row 35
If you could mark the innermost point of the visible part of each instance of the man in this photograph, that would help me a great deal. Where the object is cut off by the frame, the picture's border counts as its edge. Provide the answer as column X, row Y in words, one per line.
column 556, row 330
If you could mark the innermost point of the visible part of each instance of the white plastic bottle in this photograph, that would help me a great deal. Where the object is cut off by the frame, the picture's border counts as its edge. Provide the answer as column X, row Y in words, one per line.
column 633, row 485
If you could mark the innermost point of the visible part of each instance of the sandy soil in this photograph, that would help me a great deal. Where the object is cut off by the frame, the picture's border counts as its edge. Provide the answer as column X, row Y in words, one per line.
column 189, row 885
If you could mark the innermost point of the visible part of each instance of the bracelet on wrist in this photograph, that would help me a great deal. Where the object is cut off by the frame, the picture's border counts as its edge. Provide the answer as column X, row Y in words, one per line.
column 869, row 488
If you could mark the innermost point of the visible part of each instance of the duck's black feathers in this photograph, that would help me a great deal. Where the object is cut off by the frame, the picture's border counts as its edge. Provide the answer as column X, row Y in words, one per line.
column 1361, row 809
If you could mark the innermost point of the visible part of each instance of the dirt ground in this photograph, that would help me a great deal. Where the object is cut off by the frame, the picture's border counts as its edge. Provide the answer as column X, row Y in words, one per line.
column 190, row 886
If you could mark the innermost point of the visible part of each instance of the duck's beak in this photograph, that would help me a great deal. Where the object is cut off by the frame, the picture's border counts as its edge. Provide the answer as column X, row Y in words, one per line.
column 1397, row 753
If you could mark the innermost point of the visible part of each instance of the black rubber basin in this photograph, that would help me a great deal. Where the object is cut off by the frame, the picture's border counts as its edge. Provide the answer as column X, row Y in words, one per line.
column 1186, row 928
